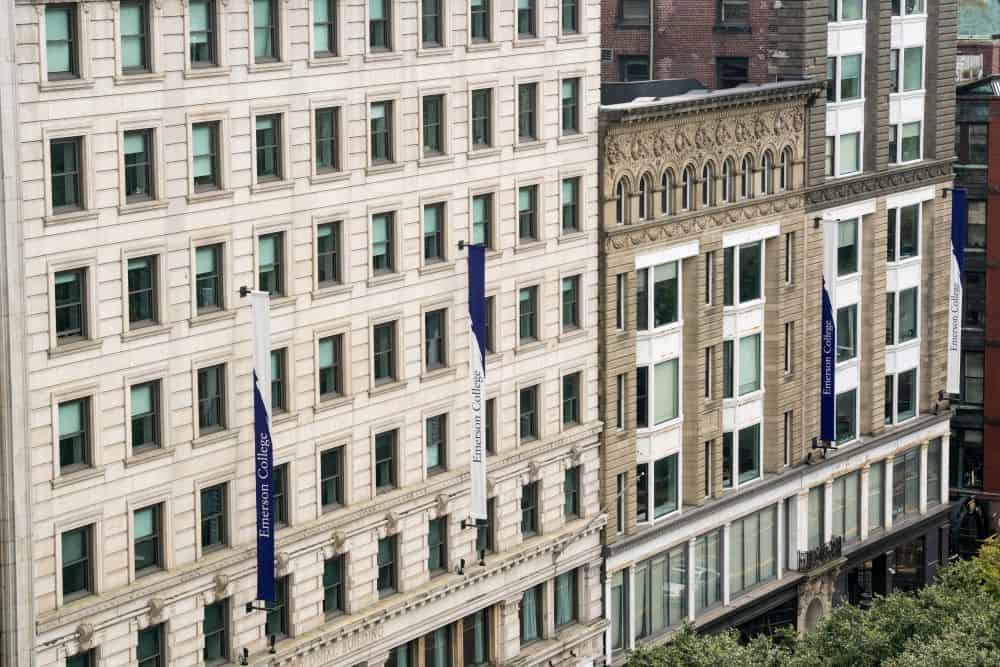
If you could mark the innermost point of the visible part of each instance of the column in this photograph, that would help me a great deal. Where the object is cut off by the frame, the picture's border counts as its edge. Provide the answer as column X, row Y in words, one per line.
column 887, row 494
column 509, row 644
column 945, row 469
column 630, row 595
column 726, row 565
column 691, row 580
column 923, row 476
column 827, row 510
column 549, row 609
column 781, row 539
column 863, row 502
column 802, row 534
column 607, row 615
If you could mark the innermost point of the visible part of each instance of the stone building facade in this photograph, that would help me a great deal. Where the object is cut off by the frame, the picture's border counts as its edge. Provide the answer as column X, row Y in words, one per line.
column 159, row 155
column 725, row 509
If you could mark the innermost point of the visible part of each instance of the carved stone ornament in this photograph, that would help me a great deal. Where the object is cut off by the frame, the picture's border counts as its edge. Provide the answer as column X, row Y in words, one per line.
column 221, row 583
column 443, row 501
column 574, row 455
column 534, row 469
column 392, row 521
column 84, row 635
column 337, row 541
column 156, row 608
column 283, row 561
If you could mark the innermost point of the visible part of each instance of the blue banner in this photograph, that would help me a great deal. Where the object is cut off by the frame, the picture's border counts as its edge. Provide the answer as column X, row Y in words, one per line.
column 263, row 466
column 827, row 371
column 959, row 212
column 477, row 380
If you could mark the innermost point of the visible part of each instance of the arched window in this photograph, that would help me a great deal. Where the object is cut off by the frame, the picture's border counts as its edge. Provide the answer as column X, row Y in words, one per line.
column 746, row 175
column 665, row 201
column 687, row 189
column 620, row 202
column 707, row 185
column 727, row 180
column 785, row 174
column 645, row 197
column 766, row 165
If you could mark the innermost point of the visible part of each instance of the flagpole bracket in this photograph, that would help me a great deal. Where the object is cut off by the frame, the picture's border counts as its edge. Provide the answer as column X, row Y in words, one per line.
column 244, row 292
column 251, row 606
column 461, row 244
column 473, row 523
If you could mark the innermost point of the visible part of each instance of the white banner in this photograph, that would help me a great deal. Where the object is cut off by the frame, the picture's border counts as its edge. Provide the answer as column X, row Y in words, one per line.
column 955, row 295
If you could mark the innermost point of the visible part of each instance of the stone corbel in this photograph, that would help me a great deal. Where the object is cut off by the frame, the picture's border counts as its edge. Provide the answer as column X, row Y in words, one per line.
column 282, row 562
column 221, row 583
column 84, row 636
column 443, row 503
column 157, row 607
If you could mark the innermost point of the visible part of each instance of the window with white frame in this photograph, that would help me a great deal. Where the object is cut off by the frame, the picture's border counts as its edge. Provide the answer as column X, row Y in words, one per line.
column 845, row 10
column 657, row 488
column 847, row 247
column 661, row 299
column 846, row 416
column 901, row 316
column 741, row 456
column 844, row 78
column 741, row 366
column 657, row 393
column 847, row 332
column 905, row 142
column 900, row 396
column 908, row 7
column 903, row 238
column 849, row 154
column 743, row 273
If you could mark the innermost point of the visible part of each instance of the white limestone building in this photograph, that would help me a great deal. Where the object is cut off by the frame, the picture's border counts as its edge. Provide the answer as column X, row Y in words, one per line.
column 159, row 154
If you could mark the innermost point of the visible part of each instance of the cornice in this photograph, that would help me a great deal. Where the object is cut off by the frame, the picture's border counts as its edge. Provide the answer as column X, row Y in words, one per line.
column 847, row 190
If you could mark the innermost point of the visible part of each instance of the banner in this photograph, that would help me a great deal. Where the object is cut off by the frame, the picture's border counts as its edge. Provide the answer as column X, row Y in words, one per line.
column 955, row 296
column 477, row 378
column 827, row 371
column 263, row 448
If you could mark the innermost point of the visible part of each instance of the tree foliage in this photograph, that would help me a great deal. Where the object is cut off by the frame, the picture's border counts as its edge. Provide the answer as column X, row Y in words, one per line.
column 954, row 622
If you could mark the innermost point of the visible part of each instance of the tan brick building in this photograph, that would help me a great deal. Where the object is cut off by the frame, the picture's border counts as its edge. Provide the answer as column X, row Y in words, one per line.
column 721, row 511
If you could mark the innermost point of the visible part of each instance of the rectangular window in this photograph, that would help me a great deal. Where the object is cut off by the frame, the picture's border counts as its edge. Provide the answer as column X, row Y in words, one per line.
column 479, row 20
column 906, row 483
column 850, row 77
column 214, row 523
column 642, row 299
column 571, row 303
column 748, row 456
column 816, row 518
column 482, row 220
column 571, row 493
column 268, row 143
column 333, row 585
column 65, row 174
column 380, row 25
column 707, row 370
column 789, row 257
column 788, row 436
column 642, row 397
column 847, row 507
column 890, row 318
column 977, row 139
column 529, row 509
column 707, row 454
column 482, row 132
column 381, row 131
column 642, row 492
column 566, row 599
column 893, row 70
column 619, row 604
column 527, row 101
column 327, row 124
column 620, row 401
column 752, row 549
column 847, row 247
column 279, row 495
column 570, row 205
column 907, row 314
column 666, row 295
column 215, row 631
column 666, row 391
column 137, row 153
column 484, row 531
column 476, row 640
column 211, row 399
column 734, row 11
column 876, row 496
column 70, row 296
column 530, row 614
column 383, row 243
column 975, row 228
column 331, row 381
column 324, row 28
column 847, row 332
column 570, row 93
column 570, row 18
column 903, row 240
column 385, row 461
column 527, row 213
column 850, row 153
column 972, row 378
column 489, row 324
column 331, row 478
column 709, row 276
column 731, row 71
column 276, row 622
column 328, row 255
column 909, row 145
column 889, row 405
column 527, row 314
column 728, row 350
column 205, row 156
column 490, row 426
column 270, row 263
column 906, row 395
column 831, row 79
column 528, row 413
column 142, row 302
column 846, row 416
column 149, row 647
column 437, row 545
column 61, row 42
column 431, row 23
column 708, row 570
column 742, row 266
column 144, row 405
column 913, row 68
column 436, row 435
column 146, row 539
column 384, row 354
column 387, row 574
column 750, row 366
column 934, row 472
column 437, row 647
column 77, row 569
column 661, row 592
column 202, row 33
column 433, row 120
column 636, row 68
column 435, row 339
column 134, row 26
column 665, row 482
column 789, row 337
column 620, row 503
column 571, row 400
column 526, row 19
column 265, row 31
column 829, row 159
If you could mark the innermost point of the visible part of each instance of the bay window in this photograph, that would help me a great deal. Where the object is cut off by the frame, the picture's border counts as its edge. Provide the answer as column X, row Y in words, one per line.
column 743, row 266
column 664, row 401
column 663, row 300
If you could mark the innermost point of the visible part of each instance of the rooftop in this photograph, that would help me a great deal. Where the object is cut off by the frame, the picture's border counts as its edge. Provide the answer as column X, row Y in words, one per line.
column 978, row 19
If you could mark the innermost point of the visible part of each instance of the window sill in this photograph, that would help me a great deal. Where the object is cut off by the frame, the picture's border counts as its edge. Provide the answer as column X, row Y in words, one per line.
column 331, row 291
column 208, row 318
column 282, row 301
column 379, row 169
column 527, row 146
column 528, row 247
column 569, row 38
column 65, row 84
column 285, row 418
column 77, row 476
column 269, row 186
column 214, row 438
column 382, row 56
column 145, row 332
column 443, row 266
column 209, row 195
column 578, row 333
column 435, row 160
column 74, row 347
column 328, row 61
column 385, row 279
column 623, row 24
column 732, row 28
column 483, row 153
column 528, row 348
column 431, row 51
column 387, row 388
column 668, row 425
column 482, row 46
column 142, row 206
column 332, row 176
column 205, row 72
column 528, row 41
column 575, row 137
column 332, row 404
column 149, row 455
column 437, row 374
column 72, row 216
column 276, row 66
column 571, row 237
column 144, row 77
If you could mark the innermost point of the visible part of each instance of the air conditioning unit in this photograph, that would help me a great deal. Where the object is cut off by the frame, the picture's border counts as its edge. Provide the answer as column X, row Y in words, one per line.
column 607, row 55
